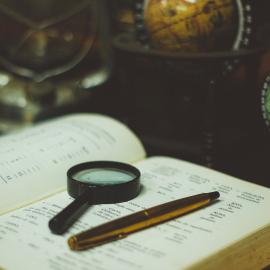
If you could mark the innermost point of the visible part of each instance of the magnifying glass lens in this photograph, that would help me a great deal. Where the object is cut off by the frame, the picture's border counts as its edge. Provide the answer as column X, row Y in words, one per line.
column 103, row 176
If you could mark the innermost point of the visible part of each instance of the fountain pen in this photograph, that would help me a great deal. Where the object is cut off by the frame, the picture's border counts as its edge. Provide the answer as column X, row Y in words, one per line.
column 122, row 227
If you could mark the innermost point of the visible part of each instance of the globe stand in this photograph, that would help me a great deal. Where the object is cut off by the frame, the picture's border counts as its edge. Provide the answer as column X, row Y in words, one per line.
column 208, row 70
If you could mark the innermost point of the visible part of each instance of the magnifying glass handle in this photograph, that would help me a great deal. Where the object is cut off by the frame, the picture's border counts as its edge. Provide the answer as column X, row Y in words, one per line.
column 64, row 219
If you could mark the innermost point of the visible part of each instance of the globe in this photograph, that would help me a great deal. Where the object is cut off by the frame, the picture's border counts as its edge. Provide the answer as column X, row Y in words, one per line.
column 191, row 25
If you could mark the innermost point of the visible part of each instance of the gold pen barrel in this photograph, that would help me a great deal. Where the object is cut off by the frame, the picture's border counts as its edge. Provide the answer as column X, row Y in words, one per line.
column 124, row 226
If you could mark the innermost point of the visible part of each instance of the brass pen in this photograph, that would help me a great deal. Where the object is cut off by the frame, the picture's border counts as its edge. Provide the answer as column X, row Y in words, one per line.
column 121, row 227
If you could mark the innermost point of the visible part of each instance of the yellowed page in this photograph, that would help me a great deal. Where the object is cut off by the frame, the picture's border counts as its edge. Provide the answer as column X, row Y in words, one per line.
column 33, row 163
column 241, row 210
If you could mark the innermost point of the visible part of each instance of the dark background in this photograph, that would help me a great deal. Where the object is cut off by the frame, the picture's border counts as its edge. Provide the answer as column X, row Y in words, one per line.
column 168, row 108
column 171, row 105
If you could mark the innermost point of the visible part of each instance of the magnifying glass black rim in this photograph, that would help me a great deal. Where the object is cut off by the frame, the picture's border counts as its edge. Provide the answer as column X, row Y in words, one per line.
column 103, row 193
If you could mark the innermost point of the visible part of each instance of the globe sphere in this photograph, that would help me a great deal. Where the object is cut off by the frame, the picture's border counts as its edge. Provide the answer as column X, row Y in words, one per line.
column 191, row 25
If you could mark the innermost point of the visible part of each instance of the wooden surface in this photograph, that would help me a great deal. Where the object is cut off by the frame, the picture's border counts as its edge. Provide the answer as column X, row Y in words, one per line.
column 251, row 253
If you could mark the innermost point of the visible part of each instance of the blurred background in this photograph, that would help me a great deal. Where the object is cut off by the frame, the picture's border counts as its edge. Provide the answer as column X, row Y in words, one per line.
column 190, row 79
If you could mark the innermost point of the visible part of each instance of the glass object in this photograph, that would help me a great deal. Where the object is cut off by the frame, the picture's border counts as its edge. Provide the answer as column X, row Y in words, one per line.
column 50, row 52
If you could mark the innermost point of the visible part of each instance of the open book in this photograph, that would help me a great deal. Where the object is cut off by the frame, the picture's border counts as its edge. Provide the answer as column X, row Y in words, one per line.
column 232, row 233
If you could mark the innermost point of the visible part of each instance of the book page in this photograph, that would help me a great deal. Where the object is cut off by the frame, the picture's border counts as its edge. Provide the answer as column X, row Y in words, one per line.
column 34, row 162
column 241, row 210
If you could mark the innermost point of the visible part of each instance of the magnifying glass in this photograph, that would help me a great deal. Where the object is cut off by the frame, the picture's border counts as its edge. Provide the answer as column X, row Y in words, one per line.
column 96, row 182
